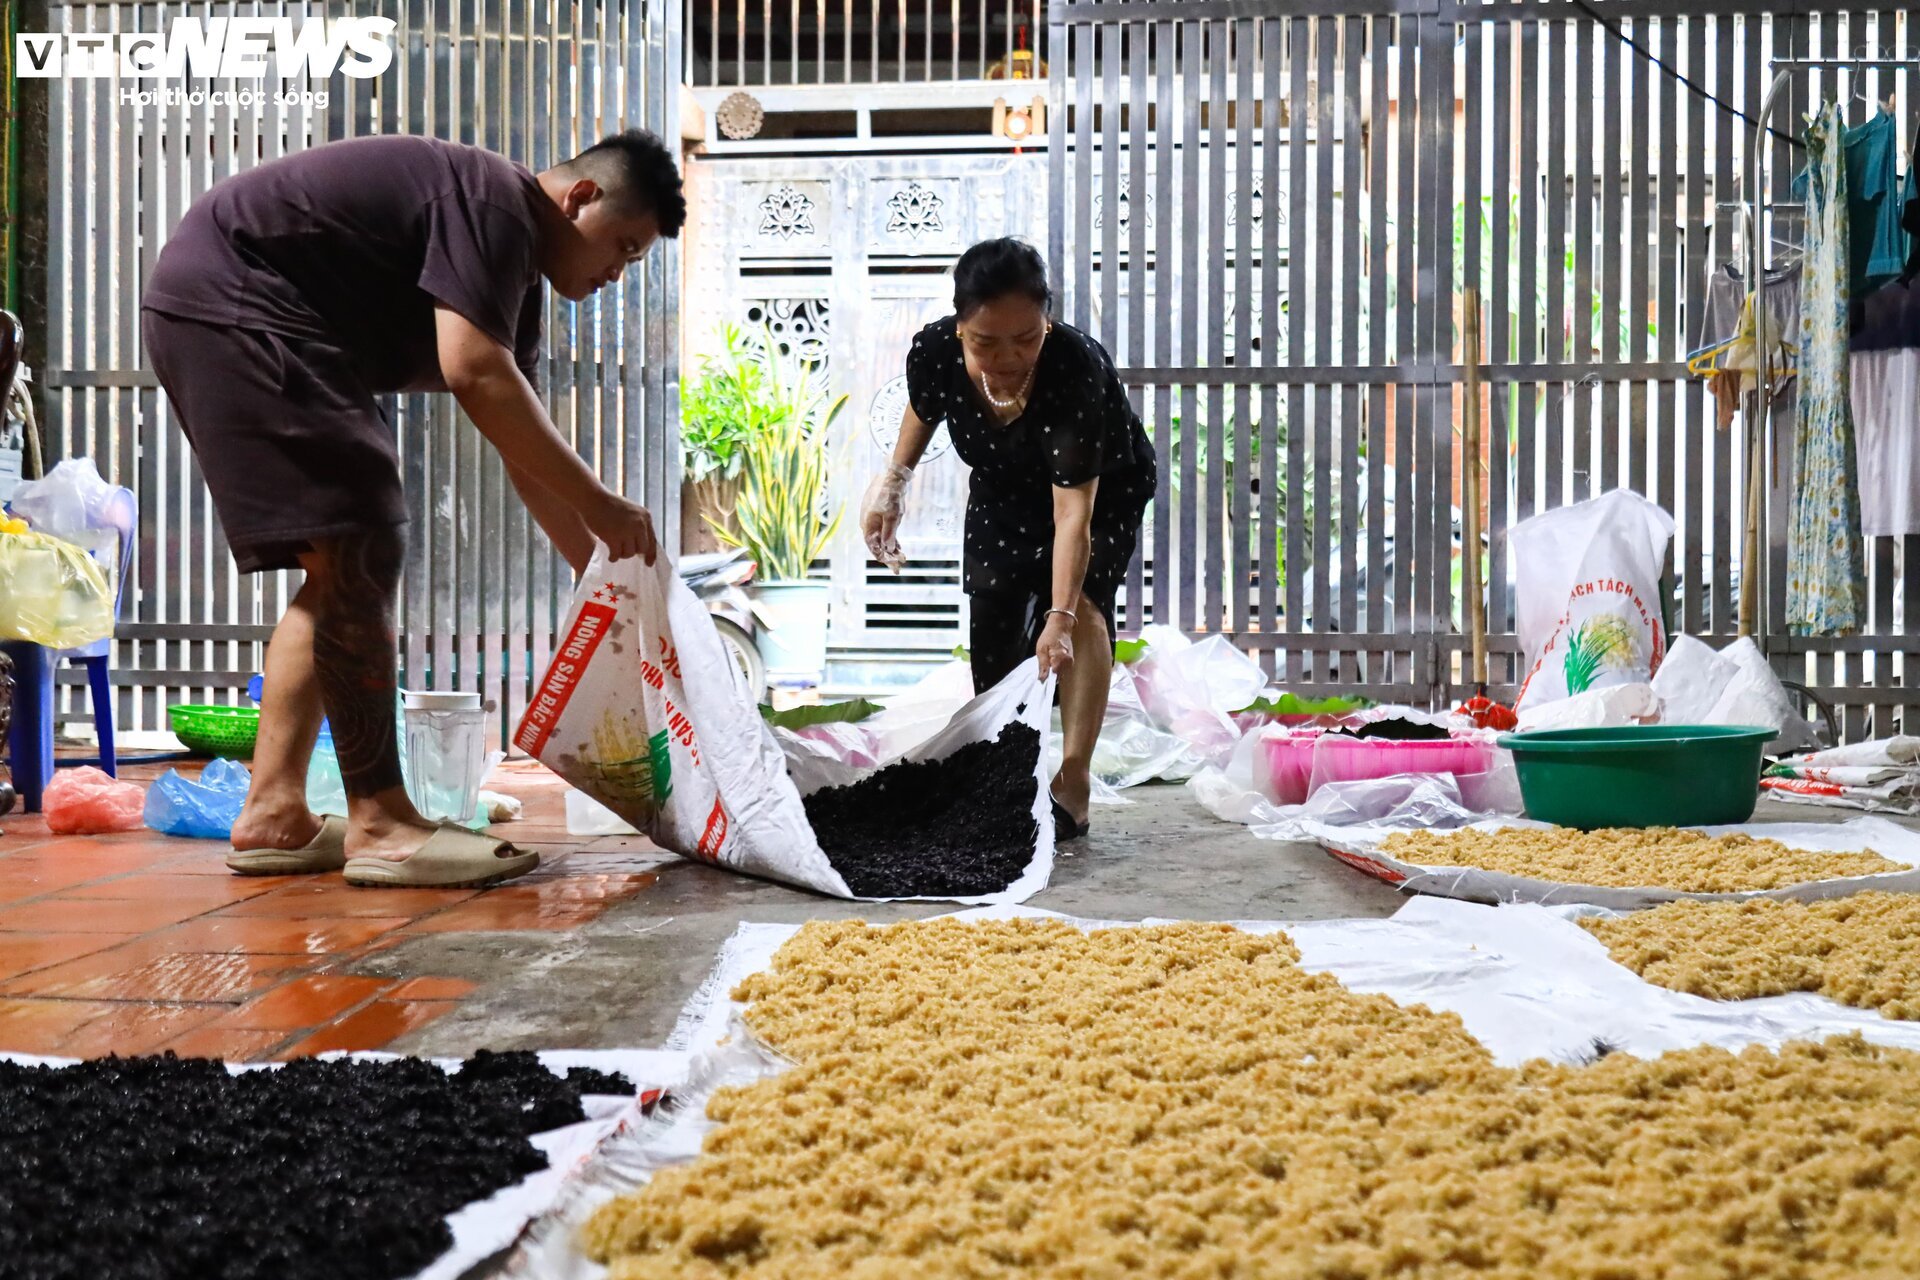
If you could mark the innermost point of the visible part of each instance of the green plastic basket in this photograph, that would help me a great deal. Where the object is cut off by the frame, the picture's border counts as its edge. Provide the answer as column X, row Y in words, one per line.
column 217, row 731
column 1655, row 775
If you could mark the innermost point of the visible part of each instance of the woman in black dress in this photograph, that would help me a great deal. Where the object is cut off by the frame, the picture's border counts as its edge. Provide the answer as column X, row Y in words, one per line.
column 1061, row 474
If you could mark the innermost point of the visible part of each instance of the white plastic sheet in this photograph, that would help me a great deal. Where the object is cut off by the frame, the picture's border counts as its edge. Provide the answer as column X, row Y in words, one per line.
column 1361, row 847
column 1697, row 685
column 1618, row 704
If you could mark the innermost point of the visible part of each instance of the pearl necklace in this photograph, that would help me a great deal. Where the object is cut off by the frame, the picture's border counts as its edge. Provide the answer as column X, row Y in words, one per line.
column 1012, row 400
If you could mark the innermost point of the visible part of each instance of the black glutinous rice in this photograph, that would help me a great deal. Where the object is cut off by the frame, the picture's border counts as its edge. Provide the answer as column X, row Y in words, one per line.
column 955, row 827
column 130, row 1168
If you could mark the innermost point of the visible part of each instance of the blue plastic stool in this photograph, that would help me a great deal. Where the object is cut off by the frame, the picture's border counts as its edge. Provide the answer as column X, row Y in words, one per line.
column 30, row 739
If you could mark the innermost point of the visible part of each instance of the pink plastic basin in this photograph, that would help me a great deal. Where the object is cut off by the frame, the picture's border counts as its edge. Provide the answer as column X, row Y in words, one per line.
column 1339, row 758
column 1290, row 765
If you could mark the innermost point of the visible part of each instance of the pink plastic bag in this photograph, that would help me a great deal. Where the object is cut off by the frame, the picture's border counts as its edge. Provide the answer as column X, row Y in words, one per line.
column 86, row 802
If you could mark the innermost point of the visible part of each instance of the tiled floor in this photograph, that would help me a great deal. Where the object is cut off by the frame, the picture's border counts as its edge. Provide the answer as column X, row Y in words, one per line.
column 138, row 943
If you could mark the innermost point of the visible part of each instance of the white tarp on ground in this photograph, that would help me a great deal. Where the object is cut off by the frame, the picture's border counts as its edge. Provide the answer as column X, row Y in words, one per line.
column 1361, row 847
column 1526, row 980
column 485, row 1227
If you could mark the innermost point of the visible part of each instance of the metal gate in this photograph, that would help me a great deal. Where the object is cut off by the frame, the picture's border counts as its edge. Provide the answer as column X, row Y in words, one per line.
column 1269, row 212
column 536, row 80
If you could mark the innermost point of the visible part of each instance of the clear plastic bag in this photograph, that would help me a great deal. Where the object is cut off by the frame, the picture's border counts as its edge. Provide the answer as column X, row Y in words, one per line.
column 202, row 809
column 1193, row 690
column 70, row 501
column 52, row 593
column 86, row 802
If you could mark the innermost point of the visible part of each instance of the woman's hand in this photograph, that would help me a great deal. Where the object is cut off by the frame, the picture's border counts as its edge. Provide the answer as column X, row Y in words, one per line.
column 1055, row 649
column 880, row 514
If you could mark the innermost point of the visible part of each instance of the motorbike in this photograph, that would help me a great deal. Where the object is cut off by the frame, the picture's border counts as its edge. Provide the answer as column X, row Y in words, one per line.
column 718, row 579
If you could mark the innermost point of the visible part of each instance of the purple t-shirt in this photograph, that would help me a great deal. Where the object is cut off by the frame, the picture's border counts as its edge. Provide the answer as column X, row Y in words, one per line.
column 352, row 243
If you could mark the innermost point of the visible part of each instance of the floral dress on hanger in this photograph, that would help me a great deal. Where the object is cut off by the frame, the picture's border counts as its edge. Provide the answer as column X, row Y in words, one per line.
column 1826, row 552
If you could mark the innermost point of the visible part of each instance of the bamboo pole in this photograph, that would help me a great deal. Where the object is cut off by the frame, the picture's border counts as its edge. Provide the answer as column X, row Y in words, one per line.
column 1470, row 483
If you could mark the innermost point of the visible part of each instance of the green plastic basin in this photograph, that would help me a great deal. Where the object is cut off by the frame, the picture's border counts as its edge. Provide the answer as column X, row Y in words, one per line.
column 1661, row 775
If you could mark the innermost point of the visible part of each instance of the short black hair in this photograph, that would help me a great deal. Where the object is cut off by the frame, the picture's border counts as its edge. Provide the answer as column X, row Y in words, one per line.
column 996, row 268
column 638, row 171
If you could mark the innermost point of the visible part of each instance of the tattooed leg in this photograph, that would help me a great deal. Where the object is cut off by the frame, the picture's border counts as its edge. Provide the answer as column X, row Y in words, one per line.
column 276, row 814
column 356, row 581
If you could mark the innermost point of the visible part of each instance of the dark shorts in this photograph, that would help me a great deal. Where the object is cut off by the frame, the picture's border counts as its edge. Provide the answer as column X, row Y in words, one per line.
column 293, row 446
column 1004, row 626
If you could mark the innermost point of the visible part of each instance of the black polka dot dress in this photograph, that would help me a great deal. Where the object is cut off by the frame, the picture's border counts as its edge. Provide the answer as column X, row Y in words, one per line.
column 1078, row 424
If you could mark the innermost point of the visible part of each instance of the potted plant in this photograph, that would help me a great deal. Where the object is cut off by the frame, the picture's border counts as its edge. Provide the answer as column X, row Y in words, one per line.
column 780, row 514
column 722, row 407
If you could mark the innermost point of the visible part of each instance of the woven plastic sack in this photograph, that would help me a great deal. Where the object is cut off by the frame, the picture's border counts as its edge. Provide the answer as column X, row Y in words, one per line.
column 1588, row 602
column 52, row 593
column 86, row 802
column 643, row 710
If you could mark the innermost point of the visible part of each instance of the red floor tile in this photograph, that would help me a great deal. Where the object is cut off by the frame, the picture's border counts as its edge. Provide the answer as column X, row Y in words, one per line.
column 340, row 900
column 21, row 879
column 38, row 1026
column 214, row 863
column 374, row 1027
column 25, row 828
column 128, row 1029
column 227, row 1043
column 79, row 916
column 270, row 935
column 24, row 952
column 311, row 1001
column 206, row 890
column 140, row 971
column 433, row 989
column 108, row 856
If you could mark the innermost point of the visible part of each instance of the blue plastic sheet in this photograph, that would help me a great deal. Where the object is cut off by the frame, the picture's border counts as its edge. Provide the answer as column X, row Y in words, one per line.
column 203, row 809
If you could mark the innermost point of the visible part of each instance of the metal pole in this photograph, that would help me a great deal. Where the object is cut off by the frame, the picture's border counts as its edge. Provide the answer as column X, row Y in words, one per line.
column 1757, row 252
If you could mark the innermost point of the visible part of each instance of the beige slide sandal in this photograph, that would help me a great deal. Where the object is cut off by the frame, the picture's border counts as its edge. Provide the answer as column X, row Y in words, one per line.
column 325, row 852
column 452, row 858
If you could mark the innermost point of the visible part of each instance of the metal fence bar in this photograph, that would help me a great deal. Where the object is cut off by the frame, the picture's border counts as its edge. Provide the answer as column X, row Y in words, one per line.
column 1193, row 254
column 1501, row 65
column 1298, row 237
column 1139, row 108
column 1164, row 349
column 1217, row 303
column 1694, row 193
column 1245, row 42
column 1272, row 61
column 1580, row 445
column 1379, row 331
column 1613, row 257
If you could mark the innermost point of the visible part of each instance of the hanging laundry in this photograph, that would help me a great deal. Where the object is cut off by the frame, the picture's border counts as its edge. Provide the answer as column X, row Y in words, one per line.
column 1726, row 354
column 1875, row 202
column 1884, row 370
column 1826, row 552
column 1728, row 298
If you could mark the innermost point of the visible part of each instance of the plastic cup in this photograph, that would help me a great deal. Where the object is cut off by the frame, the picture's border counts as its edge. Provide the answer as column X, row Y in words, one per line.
column 446, row 753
